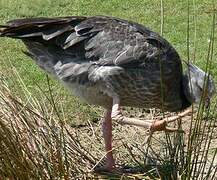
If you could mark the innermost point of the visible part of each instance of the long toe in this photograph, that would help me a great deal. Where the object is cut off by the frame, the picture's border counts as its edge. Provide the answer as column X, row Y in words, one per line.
column 158, row 126
column 162, row 126
column 105, row 168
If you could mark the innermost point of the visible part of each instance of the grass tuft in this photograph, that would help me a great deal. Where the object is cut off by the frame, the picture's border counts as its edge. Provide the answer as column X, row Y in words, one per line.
column 47, row 134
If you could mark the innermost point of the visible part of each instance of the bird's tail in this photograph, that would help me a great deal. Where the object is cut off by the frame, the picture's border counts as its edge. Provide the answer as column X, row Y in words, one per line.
column 42, row 36
column 46, row 28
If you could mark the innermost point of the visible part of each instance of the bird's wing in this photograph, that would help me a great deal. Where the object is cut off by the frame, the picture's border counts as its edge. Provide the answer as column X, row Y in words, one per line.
column 120, row 42
column 99, row 40
column 52, row 43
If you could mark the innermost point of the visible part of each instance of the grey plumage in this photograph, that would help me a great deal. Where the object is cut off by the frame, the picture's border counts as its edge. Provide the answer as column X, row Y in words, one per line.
column 101, row 57
column 198, row 83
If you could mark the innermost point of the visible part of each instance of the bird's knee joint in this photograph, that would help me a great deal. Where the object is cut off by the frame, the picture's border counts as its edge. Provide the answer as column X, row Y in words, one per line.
column 158, row 125
column 118, row 117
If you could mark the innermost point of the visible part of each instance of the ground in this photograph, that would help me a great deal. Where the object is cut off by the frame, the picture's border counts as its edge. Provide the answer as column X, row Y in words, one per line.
column 192, row 42
column 146, row 12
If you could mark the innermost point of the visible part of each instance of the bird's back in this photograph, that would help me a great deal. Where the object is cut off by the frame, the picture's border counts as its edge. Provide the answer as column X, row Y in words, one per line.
column 102, row 57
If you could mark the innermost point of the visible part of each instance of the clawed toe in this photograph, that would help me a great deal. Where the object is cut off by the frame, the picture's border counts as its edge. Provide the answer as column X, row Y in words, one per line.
column 158, row 126
column 104, row 169
column 105, row 165
column 101, row 169
column 162, row 126
column 170, row 129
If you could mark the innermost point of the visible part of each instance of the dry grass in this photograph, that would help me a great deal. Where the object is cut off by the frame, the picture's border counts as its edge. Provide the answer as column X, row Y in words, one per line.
column 37, row 142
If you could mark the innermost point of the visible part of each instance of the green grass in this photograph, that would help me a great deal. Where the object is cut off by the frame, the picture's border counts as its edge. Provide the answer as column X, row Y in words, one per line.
column 13, row 63
column 143, row 11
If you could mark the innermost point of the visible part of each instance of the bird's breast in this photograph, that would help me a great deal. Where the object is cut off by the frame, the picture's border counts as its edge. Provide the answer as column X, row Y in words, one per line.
column 135, row 88
column 91, row 94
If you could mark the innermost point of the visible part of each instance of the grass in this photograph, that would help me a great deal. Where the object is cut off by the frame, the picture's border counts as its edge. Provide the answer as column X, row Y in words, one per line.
column 26, row 92
column 148, row 13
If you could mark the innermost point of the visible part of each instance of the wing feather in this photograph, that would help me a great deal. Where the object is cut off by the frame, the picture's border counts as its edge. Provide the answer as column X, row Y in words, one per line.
column 98, row 40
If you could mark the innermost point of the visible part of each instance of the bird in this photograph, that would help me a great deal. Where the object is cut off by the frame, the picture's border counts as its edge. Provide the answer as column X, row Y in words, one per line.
column 112, row 62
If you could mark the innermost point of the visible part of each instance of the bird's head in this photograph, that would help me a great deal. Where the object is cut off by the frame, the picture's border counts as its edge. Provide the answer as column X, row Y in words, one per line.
column 198, row 84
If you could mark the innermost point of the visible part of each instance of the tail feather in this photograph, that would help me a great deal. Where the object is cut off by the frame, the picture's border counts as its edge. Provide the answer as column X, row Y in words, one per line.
column 36, row 21
column 40, row 21
column 48, row 41
column 47, row 28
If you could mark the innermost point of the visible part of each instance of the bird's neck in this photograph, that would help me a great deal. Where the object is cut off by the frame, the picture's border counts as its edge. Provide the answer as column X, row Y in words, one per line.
column 187, row 95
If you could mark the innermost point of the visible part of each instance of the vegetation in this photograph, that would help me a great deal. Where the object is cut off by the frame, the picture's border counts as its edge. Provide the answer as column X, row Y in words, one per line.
column 46, row 133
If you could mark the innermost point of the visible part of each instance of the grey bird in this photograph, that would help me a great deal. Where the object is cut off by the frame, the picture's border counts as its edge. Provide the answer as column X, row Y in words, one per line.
column 113, row 62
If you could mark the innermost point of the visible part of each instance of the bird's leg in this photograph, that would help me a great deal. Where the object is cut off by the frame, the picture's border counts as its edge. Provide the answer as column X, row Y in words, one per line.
column 107, row 135
column 160, row 125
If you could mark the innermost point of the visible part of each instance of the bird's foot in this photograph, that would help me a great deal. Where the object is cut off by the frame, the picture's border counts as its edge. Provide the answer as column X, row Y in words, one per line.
column 108, row 167
column 162, row 124
column 157, row 125
column 101, row 169
column 110, row 164
column 106, row 164
column 118, row 169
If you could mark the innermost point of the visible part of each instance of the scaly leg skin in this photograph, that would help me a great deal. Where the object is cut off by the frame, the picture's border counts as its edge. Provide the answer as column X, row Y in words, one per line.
column 107, row 135
column 153, row 126
column 118, row 116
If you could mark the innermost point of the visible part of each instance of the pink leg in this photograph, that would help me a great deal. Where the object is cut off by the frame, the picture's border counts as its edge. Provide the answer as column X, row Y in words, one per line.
column 107, row 134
